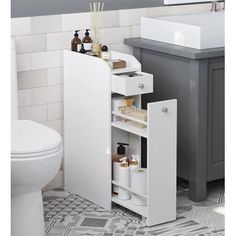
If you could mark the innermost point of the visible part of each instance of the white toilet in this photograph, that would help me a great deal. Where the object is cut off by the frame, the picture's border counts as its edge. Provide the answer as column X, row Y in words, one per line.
column 36, row 154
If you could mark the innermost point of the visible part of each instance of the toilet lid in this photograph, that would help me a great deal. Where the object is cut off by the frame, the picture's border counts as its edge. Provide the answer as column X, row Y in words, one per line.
column 31, row 137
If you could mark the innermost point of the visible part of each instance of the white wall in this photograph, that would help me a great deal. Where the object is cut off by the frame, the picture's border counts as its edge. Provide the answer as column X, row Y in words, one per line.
column 41, row 40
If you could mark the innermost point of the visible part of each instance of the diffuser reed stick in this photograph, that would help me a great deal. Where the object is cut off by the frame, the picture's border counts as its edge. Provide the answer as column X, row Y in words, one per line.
column 96, row 9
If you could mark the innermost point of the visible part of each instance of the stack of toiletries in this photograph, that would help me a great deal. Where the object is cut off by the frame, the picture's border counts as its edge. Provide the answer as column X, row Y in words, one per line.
column 125, row 106
column 116, row 162
column 122, row 105
column 88, row 47
column 93, row 47
column 84, row 46
column 127, row 173
column 139, row 114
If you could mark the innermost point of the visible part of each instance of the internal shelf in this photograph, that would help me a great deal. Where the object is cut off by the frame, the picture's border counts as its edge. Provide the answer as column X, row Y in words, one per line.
column 141, row 210
column 129, row 189
column 124, row 70
column 130, row 128
column 129, row 118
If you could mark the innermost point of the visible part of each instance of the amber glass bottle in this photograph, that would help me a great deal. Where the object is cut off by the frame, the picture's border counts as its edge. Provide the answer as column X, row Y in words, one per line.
column 87, row 41
column 76, row 42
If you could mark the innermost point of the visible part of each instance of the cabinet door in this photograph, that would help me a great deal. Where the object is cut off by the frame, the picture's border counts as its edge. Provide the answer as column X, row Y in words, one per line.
column 216, row 114
column 87, row 125
column 161, row 161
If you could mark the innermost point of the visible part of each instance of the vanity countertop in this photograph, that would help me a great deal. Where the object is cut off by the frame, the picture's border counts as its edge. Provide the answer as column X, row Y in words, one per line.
column 175, row 50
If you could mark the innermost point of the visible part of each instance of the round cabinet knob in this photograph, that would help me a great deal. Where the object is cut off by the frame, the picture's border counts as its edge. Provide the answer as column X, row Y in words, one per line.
column 164, row 109
column 141, row 86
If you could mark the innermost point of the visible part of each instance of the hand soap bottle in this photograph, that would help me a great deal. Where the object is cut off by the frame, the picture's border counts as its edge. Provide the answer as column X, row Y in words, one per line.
column 121, row 152
column 76, row 42
column 116, row 161
column 87, row 41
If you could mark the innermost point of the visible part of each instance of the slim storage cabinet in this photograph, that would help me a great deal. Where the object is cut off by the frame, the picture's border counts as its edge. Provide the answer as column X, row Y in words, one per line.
column 91, row 135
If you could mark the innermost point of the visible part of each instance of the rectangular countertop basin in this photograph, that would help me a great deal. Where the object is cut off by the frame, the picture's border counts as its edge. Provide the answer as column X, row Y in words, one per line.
column 200, row 31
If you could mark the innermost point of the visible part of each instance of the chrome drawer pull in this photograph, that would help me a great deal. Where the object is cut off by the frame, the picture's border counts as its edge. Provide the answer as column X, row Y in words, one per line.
column 164, row 109
column 141, row 86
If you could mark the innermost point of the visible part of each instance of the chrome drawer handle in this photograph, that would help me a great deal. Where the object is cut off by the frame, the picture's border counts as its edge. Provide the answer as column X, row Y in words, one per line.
column 164, row 109
column 141, row 86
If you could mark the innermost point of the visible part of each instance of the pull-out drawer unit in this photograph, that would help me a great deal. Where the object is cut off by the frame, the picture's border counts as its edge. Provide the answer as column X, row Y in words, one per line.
column 133, row 83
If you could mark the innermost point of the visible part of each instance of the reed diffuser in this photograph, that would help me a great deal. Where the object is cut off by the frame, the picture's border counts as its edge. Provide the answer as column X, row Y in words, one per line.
column 96, row 9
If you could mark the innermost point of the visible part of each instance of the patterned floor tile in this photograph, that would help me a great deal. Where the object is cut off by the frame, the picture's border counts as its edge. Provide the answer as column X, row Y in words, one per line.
column 67, row 214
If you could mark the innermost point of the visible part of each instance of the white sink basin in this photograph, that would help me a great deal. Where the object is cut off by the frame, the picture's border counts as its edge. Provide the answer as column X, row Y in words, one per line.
column 198, row 31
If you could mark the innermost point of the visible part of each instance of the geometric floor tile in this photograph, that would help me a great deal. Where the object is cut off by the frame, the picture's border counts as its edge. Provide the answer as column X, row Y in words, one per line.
column 67, row 214
column 94, row 222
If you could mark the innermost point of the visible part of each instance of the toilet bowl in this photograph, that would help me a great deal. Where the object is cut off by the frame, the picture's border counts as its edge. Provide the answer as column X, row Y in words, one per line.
column 36, row 155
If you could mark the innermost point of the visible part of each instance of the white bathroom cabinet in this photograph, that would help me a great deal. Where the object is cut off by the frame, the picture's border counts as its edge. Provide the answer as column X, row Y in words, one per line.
column 91, row 135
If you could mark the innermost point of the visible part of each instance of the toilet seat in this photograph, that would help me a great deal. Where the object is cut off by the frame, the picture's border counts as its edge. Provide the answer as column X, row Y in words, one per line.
column 31, row 140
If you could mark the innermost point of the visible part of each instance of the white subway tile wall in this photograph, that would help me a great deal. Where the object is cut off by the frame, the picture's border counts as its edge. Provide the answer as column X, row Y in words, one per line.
column 131, row 18
column 31, row 43
column 55, row 76
column 46, row 59
column 59, row 40
column 77, row 21
column 35, row 113
column 46, row 95
column 32, row 79
column 55, row 111
column 40, row 42
column 20, row 26
column 24, row 97
column 23, row 62
column 45, row 24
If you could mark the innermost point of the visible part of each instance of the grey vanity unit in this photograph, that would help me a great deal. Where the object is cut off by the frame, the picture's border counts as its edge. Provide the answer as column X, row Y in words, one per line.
column 196, row 79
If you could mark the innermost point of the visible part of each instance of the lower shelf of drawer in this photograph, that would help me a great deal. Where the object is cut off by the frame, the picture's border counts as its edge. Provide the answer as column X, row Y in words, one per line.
column 141, row 210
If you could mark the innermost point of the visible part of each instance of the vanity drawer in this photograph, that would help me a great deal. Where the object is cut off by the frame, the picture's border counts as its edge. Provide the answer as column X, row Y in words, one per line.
column 141, row 83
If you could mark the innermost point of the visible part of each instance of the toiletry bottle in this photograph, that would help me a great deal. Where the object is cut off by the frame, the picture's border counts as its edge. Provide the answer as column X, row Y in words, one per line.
column 124, row 179
column 133, row 165
column 82, row 50
column 116, row 160
column 87, row 41
column 121, row 152
column 134, row 162
column 105, row 54
column 76, row 42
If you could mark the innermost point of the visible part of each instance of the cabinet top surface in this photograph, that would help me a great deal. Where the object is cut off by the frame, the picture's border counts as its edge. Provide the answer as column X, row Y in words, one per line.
column 175, row 50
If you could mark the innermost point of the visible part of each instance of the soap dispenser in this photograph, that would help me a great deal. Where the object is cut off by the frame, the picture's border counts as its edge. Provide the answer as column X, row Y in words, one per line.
column 76, row 42
column 121, row 152
column 116, row 161
column 87, row 41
